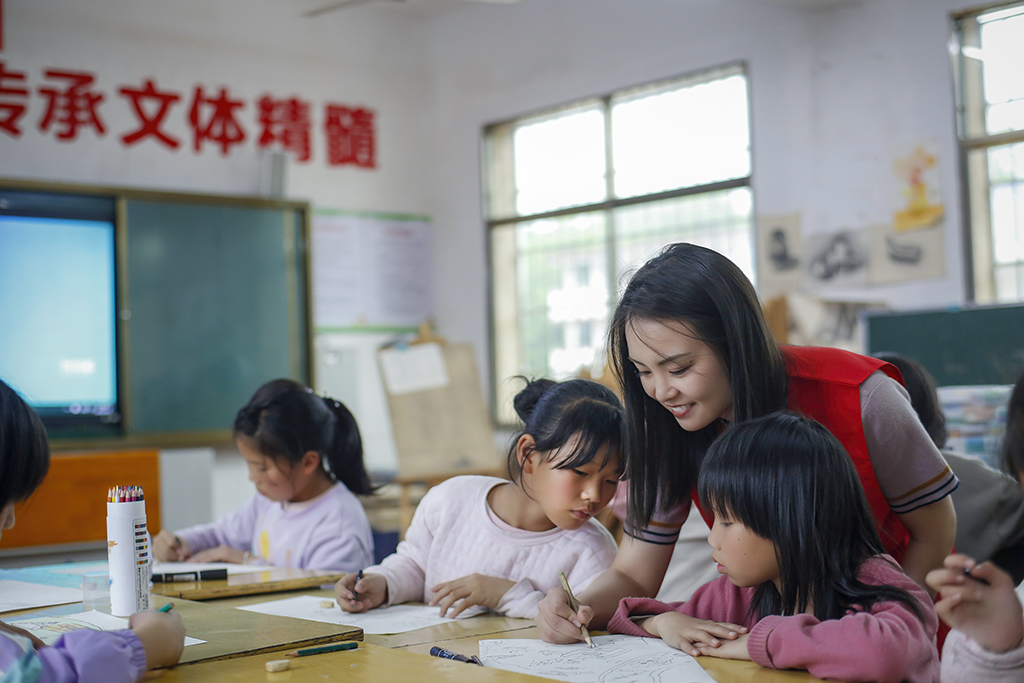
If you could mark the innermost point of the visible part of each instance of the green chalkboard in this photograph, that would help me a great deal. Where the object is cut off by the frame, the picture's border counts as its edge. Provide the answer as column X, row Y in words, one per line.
column 959, row 346
column 216, row 306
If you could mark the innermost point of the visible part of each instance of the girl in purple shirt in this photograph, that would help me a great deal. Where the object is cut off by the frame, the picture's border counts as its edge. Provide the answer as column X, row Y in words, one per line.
column 152, row 639
column 305, row 457
column 805, row 582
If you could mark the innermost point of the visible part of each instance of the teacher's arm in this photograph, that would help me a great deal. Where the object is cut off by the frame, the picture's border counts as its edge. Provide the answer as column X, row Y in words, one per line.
column 638, row 570
column 932, row 531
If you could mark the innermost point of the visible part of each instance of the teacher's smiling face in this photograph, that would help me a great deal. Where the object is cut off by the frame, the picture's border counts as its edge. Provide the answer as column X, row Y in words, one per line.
column 680, row 372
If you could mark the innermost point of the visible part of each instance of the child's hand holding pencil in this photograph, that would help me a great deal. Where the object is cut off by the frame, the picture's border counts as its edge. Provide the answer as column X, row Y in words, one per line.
column 361, row 592
column 575, row 607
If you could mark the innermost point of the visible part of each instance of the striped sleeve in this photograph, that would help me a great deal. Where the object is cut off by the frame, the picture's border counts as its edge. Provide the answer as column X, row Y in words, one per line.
column 663, row 529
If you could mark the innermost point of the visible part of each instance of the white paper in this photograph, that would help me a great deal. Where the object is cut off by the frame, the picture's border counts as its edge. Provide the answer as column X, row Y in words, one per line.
column 79, row 568
column 49, row 629
column 175, row 567
column 615, row 658
column 16, row 595
column 413, row 368
column 380, row 621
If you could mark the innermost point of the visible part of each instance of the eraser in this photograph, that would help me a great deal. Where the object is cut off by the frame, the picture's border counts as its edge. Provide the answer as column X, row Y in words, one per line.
column 278, row 665
column 327, row 604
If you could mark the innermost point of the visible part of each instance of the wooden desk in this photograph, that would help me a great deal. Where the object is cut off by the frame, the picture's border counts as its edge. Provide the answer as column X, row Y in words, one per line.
column 273, row 580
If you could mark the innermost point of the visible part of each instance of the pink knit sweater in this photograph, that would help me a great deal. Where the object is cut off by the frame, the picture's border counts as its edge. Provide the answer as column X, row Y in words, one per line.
column 886, row 643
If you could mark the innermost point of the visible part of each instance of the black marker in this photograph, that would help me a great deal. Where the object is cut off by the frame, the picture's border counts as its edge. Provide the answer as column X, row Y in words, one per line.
column 984, row 582
column 203, row 575
column 448, row 654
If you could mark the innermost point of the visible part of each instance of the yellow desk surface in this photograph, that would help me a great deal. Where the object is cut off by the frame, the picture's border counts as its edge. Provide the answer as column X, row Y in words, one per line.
column 272, row 580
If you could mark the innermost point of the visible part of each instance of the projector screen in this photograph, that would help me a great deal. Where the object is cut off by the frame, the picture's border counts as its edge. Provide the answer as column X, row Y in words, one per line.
column 58, row 344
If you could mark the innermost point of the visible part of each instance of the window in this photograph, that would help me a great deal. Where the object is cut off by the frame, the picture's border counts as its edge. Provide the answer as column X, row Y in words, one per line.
column 580, row 196
column 988, row 47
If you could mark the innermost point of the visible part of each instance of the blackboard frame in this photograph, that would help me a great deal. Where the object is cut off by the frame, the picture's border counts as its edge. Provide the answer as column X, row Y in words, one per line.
column 296, row 264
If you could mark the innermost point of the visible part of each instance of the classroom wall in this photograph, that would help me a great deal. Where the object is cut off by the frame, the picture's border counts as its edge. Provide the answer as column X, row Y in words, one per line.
column 836, row 95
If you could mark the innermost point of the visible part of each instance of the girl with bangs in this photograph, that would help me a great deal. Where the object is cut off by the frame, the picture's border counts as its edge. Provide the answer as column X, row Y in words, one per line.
column 498, row 544
column 805, row 583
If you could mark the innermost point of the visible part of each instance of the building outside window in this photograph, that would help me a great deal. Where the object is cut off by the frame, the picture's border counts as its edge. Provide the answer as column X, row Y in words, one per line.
column 578, row 197
column 988, row 53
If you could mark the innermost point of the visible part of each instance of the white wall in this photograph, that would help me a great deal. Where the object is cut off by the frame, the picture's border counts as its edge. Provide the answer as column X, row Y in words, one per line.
column 836, row 94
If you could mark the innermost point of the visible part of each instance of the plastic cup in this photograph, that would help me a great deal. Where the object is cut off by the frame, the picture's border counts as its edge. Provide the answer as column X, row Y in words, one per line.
column 96, row 590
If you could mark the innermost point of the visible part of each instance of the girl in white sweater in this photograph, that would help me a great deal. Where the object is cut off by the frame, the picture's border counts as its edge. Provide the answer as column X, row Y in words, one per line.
column 501, row 544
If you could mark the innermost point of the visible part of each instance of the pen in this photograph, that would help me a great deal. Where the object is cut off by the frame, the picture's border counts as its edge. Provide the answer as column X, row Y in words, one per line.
column 575, row 606
column 448, row 654
column 166, row 608
column 359, row 577
column 984, row 582
column 333, row 647
column 202, row 575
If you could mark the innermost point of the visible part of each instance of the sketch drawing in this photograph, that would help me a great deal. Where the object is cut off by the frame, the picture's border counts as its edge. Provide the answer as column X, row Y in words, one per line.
column 615, row 659
column 779, row 258
column 840, row 255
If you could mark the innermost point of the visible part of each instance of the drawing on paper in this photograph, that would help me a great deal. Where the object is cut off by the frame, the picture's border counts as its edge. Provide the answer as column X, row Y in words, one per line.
column 615, row 659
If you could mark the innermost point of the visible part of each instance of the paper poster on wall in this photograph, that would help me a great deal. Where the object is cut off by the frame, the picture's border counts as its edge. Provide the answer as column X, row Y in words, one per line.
column 920, row 205
column 818, row 322
column 902, row 256
column 778, row 254
column 370, row 271
column 834, row 260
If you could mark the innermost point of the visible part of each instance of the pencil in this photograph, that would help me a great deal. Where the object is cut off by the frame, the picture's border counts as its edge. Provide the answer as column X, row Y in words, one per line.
column 166, row 608
column 355, row 594
column 333, row 647
column 967, row 572
column 575, row 606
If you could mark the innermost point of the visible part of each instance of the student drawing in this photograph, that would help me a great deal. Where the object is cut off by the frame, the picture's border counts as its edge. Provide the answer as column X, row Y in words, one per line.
column 305, row 457
column 694, row 356
column 501, row 544
column 805, row 583
column 978, row 601
column 152, row 640
column 842, row 254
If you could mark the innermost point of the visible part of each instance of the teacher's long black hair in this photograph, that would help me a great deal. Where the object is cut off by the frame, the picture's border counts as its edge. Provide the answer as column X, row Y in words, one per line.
column 692, row 286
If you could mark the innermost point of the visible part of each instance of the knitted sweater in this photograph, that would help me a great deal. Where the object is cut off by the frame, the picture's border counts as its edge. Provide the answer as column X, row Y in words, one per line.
column 454, row 533
column 887, row 643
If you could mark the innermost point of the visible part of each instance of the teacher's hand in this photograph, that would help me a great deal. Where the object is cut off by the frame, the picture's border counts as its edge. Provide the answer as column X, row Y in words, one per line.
column 556, row 621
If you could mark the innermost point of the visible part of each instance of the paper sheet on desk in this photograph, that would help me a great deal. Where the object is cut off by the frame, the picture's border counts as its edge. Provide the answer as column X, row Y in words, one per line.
column 16, row 595
column 174, row 567
column 380, row 621
column 616, row 658
column 49, row 629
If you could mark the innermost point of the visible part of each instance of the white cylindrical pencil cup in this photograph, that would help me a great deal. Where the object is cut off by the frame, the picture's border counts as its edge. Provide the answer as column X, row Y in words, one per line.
column 128, row 556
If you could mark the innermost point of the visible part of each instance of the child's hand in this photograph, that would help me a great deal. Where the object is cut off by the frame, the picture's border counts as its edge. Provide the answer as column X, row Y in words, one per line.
column 474, row 589
column 220, row 553
column 729, row 649
column 989, row 615
column 169, row 548
column 691, row 635
column 36, row 643
column 372, row 590
column 162, row 635
column 556, row 622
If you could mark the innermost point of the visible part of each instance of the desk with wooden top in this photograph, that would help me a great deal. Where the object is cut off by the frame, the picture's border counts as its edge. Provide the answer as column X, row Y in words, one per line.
column 270, row 580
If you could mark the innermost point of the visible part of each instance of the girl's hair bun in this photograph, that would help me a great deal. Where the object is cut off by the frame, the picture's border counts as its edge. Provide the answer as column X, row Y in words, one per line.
column 526, row 400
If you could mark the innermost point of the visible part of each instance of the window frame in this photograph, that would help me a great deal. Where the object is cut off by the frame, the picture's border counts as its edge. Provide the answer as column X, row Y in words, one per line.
column 500, row 212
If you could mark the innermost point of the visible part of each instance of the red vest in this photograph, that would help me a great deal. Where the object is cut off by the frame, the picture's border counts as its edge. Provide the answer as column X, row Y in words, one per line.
column 824, row 384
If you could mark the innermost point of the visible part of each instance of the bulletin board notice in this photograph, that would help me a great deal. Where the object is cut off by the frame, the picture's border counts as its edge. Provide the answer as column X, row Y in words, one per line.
column 370, row 271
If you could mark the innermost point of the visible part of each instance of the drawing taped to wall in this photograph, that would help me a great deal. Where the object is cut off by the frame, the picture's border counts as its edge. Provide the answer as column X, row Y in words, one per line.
column 921, row 206
column 778, row 249
column 613, row 659
column 902, row 256
column 839, row 259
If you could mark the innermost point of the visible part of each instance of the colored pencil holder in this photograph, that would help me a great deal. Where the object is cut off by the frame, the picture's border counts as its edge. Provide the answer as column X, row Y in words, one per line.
column 128, row 557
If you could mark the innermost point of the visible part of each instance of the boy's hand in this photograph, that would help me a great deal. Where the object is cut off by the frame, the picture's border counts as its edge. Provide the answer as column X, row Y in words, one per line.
column 371, row 591
column 989, row 615
column 474, row 589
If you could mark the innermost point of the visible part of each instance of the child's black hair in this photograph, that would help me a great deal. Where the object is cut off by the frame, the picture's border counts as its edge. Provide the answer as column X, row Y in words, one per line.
column 692, row 286
column 287, row 420
column 554, row 413
column 24, row 450
column 789, row 480
column 1012, row 450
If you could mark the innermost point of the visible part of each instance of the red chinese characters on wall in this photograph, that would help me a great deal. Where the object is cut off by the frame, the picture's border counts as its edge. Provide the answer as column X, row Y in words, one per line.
column 71, row 106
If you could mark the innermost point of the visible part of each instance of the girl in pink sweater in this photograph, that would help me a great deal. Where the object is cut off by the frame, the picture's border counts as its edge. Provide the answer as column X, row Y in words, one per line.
column 500, row 544
column 805, row 582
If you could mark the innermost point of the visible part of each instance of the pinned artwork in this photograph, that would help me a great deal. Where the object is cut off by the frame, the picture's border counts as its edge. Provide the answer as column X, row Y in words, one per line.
column 834, row 260
column 900, row 256
column 779, row 254
column 921, row 206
